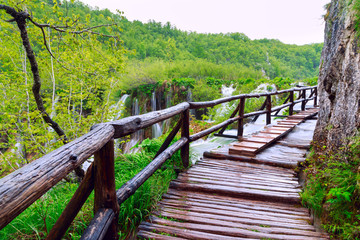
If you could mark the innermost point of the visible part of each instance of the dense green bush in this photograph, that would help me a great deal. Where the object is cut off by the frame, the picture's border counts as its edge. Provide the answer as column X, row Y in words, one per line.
column 332, row 189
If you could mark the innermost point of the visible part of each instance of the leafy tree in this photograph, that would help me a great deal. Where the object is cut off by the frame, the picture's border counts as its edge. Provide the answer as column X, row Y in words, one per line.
column 74, row 67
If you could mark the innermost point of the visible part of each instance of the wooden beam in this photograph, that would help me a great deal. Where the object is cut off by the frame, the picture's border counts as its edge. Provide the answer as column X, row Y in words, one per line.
column 104, row 186
column 303, row 103
column 73, row 207
column 240, row 131
column 291, row 107
column 185, row 150
column 225, row 135
column 169, row 138
column 132, row 185
column 268, row 110
column 126, row 126
column 99, row 225
column 20, row 189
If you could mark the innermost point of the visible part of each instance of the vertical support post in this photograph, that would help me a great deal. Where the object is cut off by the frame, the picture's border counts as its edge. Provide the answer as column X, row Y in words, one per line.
column 185, row 133
column 291, row 108
column 104, row 185
column 268, row 109
column 315, row 97
column 303, row 103
column 241, row 120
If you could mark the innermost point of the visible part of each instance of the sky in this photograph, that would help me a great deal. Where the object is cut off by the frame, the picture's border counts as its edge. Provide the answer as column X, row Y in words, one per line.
column 290, row 21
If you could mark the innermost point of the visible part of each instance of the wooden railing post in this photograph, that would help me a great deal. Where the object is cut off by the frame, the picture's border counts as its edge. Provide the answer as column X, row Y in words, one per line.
column 315, row 96
column 291, row 108
column 303, row 103
column 104, row 185
column 71, row 210
column 185, row 133
column 268, row 109
column 241, row 120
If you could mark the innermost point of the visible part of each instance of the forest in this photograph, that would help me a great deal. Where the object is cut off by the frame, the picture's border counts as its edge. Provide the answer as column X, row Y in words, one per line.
column 87, row 59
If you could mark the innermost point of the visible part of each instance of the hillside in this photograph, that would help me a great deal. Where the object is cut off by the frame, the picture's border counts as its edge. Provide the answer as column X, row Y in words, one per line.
column 266, row 58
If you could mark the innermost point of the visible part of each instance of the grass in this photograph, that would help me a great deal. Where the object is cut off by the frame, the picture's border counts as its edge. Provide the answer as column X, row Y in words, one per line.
column 36, row 221
column 332, row 189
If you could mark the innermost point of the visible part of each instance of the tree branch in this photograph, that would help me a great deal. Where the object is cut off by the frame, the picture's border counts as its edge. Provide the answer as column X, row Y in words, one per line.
column 20, row 18
column 85, row 30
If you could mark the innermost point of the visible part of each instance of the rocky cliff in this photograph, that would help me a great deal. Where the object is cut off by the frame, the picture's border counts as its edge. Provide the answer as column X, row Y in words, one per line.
column 339, row 79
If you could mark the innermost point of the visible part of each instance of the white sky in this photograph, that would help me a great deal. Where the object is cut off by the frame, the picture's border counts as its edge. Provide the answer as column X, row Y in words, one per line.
column 290, row 21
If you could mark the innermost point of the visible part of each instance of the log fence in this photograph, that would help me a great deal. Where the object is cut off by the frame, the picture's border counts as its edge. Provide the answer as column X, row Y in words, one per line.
column 24, row 186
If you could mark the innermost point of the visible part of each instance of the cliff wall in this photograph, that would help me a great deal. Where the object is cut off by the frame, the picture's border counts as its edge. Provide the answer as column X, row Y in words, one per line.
column 339, row 79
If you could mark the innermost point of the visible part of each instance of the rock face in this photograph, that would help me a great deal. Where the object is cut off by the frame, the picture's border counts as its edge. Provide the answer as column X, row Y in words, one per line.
column 339, row 79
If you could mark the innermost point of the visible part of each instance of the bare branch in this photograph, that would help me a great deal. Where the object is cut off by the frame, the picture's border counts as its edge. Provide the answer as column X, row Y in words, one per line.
column 45, row 43
column 85, row 30
column 10, row 20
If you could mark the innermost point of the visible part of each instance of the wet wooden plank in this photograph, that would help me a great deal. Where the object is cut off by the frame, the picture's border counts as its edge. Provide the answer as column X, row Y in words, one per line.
column 183, row 233
column 188, row 204
column 243, row 169
column 243, row 204
column 169, row 207
column 227, row 231
column 258, row 140
column 263, row 187
column 245, row 165
column 237, row 219
column 240, row 180
column 258, row 228
column 243, row 151
column 239, row 192
column 248, row 144
column 151, row 235
column 259, row 175
column 223, row 166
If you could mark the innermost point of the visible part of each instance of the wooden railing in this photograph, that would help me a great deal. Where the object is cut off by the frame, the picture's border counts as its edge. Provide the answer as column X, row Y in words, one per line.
column 21, row 188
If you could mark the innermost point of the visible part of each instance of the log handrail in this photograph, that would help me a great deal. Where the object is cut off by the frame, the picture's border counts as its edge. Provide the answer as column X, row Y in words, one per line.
column 20, row 189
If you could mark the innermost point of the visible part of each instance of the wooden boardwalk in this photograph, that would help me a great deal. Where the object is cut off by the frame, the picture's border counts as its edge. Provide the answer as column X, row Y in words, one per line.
column 234, row 194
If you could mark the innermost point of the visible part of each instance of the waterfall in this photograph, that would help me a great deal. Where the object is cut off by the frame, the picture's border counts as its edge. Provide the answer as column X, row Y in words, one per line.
column 156, row 128
column 225, row 108
column 189, row 99
column 118, row 108
column 136, row 136
column 166, row 123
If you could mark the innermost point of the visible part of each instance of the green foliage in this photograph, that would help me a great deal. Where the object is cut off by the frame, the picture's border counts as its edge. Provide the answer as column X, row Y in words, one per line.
column 36, row 221
column 203, row 91
column 332, row 189
column 155, row 40
column 77, row 87
column 184, row 82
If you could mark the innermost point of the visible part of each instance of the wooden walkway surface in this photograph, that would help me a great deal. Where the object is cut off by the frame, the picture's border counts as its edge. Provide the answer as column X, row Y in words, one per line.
column 229, row 195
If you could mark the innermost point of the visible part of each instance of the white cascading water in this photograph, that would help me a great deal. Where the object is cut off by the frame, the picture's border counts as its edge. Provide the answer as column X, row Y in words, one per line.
column 118, row 108
column 156, row 128
column 225, row 107
column 136, row 136
column 189, row 99
column 166, row 123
